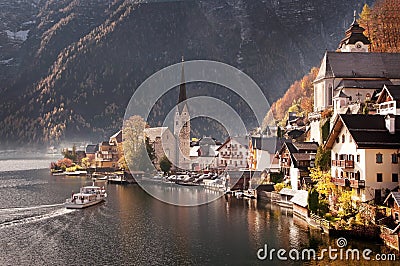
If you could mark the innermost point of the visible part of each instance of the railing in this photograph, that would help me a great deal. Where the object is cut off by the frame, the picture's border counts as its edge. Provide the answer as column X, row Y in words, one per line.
column 344, row 182
column 339, row 181
column 357, row 183
column 230, row 156
column 387, row 107
column 343, row 163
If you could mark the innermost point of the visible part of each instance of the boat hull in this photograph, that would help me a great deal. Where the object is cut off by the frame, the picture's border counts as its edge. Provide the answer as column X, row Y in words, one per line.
column 70, row 205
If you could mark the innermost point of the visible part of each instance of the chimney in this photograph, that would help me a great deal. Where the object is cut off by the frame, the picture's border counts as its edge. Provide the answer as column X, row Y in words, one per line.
column 390, row 123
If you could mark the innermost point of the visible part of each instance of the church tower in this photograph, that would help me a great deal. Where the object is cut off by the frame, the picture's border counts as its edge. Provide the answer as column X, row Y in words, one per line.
column 355, row 40
column 182, row 126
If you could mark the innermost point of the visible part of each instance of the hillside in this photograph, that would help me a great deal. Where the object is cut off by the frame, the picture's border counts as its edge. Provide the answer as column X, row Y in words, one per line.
column 81, row 61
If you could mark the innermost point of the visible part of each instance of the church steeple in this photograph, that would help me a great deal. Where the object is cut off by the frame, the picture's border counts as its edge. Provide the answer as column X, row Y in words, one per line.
column 355, row 40
column 182, row 126
column 182, row 89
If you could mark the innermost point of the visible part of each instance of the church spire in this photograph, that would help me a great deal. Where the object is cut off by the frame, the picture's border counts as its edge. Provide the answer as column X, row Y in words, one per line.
column 355, row 40
column 182, row 89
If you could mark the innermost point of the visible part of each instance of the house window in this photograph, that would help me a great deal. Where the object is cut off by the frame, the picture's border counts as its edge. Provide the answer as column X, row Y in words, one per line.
column 379, row 158
column 395, row 159
column 379, row 177
column 337, row 156
column 343, row 138
column 358, row 192
column 396, row 216
column 395, row 177
column 337, row 140
column 358, row 158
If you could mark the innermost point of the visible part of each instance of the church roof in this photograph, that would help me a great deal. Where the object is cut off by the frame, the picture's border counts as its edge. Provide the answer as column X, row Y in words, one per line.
column 154, row 132
column 360, row 65
column 363, row 84
column 341, row 94
column 354, row 34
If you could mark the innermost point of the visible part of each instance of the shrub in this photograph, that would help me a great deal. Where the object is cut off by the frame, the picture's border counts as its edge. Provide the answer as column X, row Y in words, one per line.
column 278, row 187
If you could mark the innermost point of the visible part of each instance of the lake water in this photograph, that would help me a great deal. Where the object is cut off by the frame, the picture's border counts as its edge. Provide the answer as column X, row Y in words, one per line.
column 133, row 228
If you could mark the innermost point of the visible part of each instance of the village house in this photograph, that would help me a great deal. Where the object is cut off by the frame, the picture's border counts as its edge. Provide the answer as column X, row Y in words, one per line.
column 295, row 160
column 365, row 154
column 107, row 155
column 116, row 140
column 90, row 151
column 390, row 230
column 204, row 154
column 393, row 202
column 262, row 153
column 233, row 154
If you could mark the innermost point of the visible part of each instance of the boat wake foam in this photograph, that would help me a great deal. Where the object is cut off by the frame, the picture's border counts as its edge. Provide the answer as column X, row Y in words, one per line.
column 19, row 216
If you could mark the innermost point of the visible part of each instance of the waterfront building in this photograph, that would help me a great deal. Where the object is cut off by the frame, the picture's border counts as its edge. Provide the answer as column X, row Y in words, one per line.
column 295, row 160
column 365, row 154
column 116, row 140
column 107, row 156
column 233, row 154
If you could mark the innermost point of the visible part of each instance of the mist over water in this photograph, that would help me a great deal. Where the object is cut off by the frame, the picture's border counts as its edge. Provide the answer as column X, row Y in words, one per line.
column 17, row 160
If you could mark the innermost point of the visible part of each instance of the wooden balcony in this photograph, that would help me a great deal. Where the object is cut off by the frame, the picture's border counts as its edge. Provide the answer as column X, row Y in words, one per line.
column 343, row 182
column 357, row 183
column 343, row 163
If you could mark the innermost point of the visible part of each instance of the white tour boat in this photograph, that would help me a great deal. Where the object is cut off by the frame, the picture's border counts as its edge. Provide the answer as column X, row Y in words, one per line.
column 87, row 196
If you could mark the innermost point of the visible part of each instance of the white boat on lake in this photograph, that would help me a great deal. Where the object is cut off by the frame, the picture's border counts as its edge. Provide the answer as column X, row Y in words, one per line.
column 87, row 196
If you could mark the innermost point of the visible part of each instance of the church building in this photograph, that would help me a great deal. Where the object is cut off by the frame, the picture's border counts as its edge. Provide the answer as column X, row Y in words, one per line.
column 182, row 127
column 351, row 77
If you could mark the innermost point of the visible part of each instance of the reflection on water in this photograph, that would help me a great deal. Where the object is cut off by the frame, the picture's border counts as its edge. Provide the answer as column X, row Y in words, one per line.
column 133, row 228
column 181, row 195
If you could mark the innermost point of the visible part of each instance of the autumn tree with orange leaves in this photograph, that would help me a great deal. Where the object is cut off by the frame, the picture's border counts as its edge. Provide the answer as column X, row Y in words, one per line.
column 382, row 25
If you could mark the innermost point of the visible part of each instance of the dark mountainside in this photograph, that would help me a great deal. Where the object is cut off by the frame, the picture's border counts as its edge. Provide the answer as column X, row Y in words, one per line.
column 75, row 73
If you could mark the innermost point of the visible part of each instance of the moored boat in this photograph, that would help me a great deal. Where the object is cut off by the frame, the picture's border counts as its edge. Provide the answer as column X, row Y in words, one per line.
column 87, row 196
